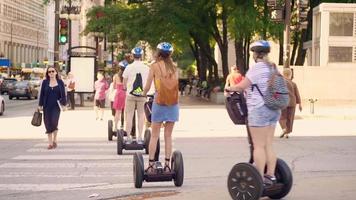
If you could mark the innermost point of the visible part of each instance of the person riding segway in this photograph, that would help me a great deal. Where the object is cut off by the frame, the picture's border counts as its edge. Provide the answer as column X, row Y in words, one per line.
column 266, row 95
column 165, row 110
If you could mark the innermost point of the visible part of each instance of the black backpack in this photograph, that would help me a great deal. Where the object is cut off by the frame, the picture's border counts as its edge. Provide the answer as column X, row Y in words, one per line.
column 236, row 108
column 137, row 87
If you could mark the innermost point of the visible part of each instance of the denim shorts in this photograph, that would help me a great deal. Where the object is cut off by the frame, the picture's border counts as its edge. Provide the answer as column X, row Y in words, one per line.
column 263, row 116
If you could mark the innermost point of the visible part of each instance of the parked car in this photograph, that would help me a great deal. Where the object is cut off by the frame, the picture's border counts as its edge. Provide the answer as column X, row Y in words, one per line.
column 23, row 89
column 6, row 84
column 2, row 105
column 36, row 81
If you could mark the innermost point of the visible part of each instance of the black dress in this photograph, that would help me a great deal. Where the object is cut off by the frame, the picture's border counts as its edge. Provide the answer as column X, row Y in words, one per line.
column 48, row 99
column 52, row 111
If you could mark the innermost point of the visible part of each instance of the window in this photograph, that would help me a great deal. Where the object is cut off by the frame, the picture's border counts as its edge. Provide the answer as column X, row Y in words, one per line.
column 340, row 54
column 341, row 24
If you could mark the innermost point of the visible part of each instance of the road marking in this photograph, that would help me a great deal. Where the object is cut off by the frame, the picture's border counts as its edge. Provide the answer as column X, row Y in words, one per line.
column 124, row 174
column 74, row 157
column 66, row 165
column 72, row 150
column 61, row 187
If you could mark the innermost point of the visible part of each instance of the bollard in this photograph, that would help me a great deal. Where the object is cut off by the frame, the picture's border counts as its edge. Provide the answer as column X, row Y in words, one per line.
column 312, row 101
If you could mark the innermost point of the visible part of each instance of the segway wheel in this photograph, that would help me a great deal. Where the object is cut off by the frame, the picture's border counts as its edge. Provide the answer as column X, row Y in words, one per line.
column 120, row 142
column 283, row 175
column 147, row 138
column 178, row 168
column 245, row 182
column 110, row 132
column 138, row 170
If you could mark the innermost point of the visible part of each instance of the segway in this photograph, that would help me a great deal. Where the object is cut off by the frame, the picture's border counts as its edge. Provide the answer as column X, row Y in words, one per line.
column 124, row 144
column 158, row 175
column 244, row 181
column 111, row 132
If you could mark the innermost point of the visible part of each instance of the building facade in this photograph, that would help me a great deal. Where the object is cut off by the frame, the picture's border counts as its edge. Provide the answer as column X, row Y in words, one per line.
column 334, row 35
column 23, row 31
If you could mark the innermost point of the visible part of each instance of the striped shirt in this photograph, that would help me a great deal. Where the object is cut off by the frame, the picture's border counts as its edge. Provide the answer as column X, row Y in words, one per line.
column 257, row 74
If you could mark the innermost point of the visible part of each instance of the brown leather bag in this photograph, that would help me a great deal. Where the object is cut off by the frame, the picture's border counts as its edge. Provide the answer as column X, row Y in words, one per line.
column 167, row 93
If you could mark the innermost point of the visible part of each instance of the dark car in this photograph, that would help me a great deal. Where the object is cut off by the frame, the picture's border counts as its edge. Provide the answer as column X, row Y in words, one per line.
column 23, row 89
column 6, row 84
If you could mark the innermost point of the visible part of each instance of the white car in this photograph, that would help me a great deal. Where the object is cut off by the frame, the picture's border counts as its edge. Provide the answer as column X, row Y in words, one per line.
column 2, row 105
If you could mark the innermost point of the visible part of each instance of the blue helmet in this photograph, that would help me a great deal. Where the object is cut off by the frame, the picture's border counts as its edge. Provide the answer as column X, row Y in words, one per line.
column 165, row 47
column 123, row 64
column 137, row 51
column 260, row 46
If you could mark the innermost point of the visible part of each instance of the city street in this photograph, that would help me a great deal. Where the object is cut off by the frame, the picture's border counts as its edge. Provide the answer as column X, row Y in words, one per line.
column 85, row 163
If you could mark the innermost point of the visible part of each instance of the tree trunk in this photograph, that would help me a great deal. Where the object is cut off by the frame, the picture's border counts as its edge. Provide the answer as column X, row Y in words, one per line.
column 280, row 60
column 239, row 54
column 296, row 40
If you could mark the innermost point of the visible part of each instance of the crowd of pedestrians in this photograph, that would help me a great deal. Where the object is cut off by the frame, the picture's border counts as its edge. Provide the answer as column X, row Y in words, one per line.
column 129, row 87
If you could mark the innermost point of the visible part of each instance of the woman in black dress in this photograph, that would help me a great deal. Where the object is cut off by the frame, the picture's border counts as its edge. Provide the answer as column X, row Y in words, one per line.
column 52, row 97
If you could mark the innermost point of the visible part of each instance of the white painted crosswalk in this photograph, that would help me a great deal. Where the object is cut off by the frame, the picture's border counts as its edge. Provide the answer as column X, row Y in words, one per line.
column 73, row 165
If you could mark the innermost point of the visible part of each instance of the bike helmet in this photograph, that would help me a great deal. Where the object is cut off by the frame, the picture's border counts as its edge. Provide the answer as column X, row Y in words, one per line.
column 137, row 51
column 123, row 64
column 260, row 46
column 165, row 47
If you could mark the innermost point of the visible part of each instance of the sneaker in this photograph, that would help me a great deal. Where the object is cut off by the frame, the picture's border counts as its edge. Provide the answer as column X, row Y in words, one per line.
column 269, row 180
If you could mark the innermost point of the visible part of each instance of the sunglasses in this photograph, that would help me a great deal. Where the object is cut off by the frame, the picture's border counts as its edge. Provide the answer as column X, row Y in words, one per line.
column 51, row 71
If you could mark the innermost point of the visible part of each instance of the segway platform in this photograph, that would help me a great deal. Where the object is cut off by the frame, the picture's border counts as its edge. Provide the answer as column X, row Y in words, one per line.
column 159, row 175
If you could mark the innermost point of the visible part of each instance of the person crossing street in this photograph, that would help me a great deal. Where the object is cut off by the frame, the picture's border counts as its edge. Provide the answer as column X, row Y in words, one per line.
column 135, row 76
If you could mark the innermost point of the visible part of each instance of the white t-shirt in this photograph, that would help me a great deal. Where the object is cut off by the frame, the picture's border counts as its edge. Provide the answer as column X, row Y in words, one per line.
column 130, row 73
column 257, row 74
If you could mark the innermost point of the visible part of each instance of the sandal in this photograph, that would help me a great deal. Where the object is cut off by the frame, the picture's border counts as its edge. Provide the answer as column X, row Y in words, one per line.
column 150, row 168
column 50, row 146
column 54, row 145
column 269, row 180
column 166, row 166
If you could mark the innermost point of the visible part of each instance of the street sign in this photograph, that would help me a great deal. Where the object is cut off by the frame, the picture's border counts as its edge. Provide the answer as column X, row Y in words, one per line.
column 5, row 63
column 277, row 15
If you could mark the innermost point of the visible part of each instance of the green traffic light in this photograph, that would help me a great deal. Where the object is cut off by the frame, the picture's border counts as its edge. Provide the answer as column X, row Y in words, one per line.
column 63, row 39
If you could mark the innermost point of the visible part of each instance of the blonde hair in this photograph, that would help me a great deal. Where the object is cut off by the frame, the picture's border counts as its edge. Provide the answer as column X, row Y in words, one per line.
column 116, row 79
column 171, row 68
column 287, row 72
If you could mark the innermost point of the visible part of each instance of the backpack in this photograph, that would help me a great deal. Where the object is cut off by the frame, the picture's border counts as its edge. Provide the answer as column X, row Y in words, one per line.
column 137, row 87
column 236, row 108
column 277, row 94
column 167, row 93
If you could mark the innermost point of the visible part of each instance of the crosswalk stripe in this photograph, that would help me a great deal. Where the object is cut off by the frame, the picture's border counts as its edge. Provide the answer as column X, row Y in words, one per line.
column 66, row 165
column 43, row 150
column 72, row 186
column 37, row 175
column 73, row 157
column 86, row 144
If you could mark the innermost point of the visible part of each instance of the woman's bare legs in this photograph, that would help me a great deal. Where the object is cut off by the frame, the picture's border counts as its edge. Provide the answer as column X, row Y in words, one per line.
column 259, row 138
column 271, row 156
column 168, row 129
column 156, row 126
column 117, row 118
column 263, row 153
column 50, row 141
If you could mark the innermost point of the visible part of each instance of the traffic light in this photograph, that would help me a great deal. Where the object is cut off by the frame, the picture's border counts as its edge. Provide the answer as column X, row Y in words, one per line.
column 63, row 31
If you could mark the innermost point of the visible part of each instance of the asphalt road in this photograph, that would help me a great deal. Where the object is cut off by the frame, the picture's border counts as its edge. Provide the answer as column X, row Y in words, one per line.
column 84, row 165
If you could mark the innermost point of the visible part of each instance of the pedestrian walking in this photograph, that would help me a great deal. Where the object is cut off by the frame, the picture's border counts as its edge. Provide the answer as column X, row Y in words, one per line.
column 70, row 90
column 234, row 77
column 119, row 99
column 135, row 76
column 112, row 93
column 287, row 116
column 165, row 107
column 101, row 86
column 52, row 98
column 261, row 119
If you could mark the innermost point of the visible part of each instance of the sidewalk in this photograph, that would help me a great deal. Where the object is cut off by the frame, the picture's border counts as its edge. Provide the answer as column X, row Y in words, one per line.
column 198, row 118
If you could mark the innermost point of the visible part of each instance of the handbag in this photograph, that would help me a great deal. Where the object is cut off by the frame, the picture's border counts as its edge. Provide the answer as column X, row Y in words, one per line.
column 36, row 118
